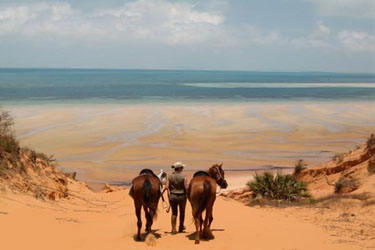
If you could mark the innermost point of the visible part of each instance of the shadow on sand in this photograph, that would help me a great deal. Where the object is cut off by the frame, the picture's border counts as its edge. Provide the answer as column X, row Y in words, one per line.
column 192, row 235
column 144, row 235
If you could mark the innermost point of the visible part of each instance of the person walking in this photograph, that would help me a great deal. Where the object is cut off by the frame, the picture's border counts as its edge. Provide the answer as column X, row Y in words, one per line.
column 177, row 186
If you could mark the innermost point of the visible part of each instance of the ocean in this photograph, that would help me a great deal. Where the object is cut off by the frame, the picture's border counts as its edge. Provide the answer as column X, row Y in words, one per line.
column 93, row 85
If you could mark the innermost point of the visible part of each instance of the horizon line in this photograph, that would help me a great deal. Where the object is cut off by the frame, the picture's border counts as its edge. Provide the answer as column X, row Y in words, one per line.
column 170, row 69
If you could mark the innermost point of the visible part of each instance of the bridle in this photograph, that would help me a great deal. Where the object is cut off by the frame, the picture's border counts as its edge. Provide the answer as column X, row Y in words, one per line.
column 220, row 178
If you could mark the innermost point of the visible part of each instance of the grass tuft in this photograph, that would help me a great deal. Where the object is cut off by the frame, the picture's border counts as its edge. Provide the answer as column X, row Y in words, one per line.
column 346, row 185
column 371, row 165
column 371, row 142
column 338, row 158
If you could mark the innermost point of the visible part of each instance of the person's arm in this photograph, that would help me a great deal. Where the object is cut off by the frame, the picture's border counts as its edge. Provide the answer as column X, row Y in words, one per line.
column 186, row 184
column 167, row 184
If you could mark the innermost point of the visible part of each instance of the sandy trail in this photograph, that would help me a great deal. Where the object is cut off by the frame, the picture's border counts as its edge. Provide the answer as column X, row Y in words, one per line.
column 108, row 222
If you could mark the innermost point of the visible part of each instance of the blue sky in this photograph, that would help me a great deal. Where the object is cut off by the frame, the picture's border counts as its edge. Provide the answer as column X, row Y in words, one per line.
column 268, row 35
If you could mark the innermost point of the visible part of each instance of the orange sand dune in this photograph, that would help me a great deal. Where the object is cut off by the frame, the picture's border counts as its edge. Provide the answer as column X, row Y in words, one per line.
column 107, row 221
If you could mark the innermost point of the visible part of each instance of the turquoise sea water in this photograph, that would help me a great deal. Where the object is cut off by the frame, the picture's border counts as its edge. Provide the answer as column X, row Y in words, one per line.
column 92, row 85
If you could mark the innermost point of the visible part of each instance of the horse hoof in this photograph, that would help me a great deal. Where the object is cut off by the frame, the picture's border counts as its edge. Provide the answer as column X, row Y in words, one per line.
column 196, row 241
column 207, row 235
column 138, row 238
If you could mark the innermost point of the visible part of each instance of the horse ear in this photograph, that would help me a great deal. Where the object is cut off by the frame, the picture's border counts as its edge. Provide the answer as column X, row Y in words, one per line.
column 220, row 165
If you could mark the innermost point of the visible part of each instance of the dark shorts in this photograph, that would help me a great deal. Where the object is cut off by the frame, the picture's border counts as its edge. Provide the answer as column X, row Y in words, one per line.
column 178, row 201
column 177, row 198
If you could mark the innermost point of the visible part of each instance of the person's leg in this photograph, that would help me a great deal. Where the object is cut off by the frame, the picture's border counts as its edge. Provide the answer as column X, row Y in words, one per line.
column 182, row 206
column 173, row 205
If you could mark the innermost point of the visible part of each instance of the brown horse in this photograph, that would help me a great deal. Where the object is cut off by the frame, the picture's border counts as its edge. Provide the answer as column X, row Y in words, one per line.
column 202, row 195
column 145, row 191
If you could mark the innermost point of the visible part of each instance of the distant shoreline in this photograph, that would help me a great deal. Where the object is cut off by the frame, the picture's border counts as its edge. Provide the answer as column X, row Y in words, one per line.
column 97, row 184
column 198, row 70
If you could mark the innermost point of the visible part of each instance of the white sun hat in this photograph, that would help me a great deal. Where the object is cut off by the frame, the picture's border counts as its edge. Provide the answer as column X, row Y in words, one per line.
column 178, row 165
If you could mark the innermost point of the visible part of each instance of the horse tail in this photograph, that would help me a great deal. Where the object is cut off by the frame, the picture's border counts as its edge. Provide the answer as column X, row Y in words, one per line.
column 151, row 208
column 147, row 191
column 204, row 198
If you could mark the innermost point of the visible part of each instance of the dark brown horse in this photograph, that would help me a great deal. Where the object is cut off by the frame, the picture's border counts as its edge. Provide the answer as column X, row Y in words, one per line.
column 145, row 191
column 202, row 195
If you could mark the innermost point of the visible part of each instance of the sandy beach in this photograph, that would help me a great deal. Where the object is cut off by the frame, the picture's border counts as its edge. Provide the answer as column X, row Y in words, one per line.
column 107, row 221
column 41, row 207
column 112, row 142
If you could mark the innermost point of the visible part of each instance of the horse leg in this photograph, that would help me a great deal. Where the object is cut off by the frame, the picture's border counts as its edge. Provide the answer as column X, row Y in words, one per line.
column 197, row 226
column 197, row 221
column 148, row 219
column 201, row 223
column 210, row 221
column 207, row 234
column 153, row 208
column 139, row 220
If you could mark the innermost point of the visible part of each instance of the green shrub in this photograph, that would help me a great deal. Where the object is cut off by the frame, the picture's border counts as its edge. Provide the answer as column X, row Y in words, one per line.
column 36, row 155
column 278, row 187
column 6, row 123
column 8, row 143
column 299, row 166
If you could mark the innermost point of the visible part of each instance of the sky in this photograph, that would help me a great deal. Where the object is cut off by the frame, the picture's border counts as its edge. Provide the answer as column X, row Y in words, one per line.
column 262, row 35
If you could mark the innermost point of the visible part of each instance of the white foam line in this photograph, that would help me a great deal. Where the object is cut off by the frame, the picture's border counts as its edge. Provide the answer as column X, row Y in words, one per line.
column 282, row 85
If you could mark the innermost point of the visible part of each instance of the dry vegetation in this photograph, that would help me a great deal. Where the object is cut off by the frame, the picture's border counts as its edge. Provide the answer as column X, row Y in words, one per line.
column 25, row 170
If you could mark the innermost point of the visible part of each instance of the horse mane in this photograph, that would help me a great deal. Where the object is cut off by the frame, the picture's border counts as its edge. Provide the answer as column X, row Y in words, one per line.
column 200, row 173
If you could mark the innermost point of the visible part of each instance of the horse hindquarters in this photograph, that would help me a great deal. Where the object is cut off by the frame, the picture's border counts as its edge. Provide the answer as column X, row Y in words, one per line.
column 199, row 204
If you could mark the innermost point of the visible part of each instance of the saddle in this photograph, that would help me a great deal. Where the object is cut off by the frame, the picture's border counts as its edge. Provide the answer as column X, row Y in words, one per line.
column 147, row 171
column 200, row 173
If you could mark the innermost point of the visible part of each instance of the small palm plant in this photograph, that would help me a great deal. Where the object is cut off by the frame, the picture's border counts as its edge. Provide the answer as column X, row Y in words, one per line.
column 278, row 187
column 299, row 166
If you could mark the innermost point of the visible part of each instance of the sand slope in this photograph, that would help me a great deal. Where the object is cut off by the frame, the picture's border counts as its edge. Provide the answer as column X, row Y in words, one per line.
column 107, row 221
column 83, row 219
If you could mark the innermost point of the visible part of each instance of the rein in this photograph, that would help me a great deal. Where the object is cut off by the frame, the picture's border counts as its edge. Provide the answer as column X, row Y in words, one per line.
column 220, row 178
column 218, row 192
column 164, row 204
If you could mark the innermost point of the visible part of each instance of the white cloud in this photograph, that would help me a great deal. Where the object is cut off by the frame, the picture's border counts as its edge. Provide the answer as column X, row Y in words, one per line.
column 160, row 20
column 43, row 19
column 348, row 8
column 322, row 37
column 322, row 29
column 357, row 41
column 164, row 22
column 318, row 38
column 156, row 20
